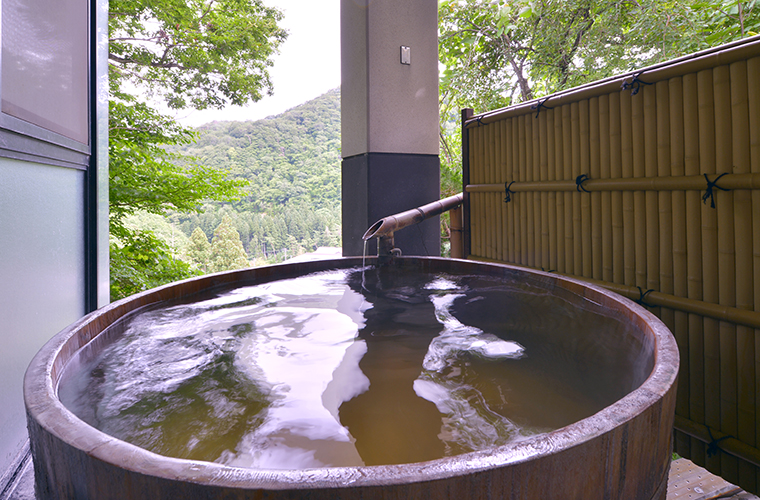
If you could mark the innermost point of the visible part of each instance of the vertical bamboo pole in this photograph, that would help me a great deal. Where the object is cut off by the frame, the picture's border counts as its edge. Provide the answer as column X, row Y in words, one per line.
column 506, row 152
column 639, row 197
column 543, row 173
column 529, row 207
column 510, row 176
column 496, row 203
column 516, row 168
column 523, row 198
column 559, row 132
column 709, row 260
column 664, row 199
column 475, row 178
column 535, row 169
column 524, row 221
column 491, row 207
column 696, row 358
column 495, row 225
column 679, row 269
column 745, row 337
column 665, row 225
column 567, row 174
column 576, row 170
column 560, row 197
column 724, row 203
column 484, row 175
column 503, row 176
column 487, row 165
column 648, row 94
column 616, row 172
column 627, row 123
column 753, row 99
column 483, row 198
column 595, row 198
column 605, row 168
column 498, row 224
column 551, row 199
column 585, row 214
column 466, row 160
column 457, row 247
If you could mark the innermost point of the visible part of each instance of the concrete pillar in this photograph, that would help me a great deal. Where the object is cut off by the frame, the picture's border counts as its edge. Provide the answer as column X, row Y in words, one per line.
column 389, row 117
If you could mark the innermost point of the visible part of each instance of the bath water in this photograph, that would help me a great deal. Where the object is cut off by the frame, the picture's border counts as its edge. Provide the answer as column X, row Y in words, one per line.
column 342, row 369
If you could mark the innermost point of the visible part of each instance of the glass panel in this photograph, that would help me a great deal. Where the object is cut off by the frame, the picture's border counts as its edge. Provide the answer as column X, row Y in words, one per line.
column 45, row 64
column 41, row 276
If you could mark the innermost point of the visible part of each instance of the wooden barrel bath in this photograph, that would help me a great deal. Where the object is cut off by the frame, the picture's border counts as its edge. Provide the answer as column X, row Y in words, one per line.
column 622, row 451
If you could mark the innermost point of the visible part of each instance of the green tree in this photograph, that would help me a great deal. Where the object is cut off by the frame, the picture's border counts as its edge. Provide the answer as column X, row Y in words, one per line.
column 199, row 250
column 143, row 251
column 184, row 53
column 227, row 252
column 498, row 53
column 198, row 53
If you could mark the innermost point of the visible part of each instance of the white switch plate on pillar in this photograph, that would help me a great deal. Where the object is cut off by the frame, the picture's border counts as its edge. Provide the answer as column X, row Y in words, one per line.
column 406, row 55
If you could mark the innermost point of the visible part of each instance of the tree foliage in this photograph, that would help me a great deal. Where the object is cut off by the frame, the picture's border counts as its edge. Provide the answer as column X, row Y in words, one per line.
column 144, row 251
column 497, row 52
column 185, row 53
column 199, row 250
column 293, row 157
column 146, row 176
column 227, row 251
column 292, row 165
column 198, row 53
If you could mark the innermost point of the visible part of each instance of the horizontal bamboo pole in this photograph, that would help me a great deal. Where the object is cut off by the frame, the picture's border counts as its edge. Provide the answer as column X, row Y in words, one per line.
column 655, row 298
column 710, row 58
column 726, row 443
column 680, row 183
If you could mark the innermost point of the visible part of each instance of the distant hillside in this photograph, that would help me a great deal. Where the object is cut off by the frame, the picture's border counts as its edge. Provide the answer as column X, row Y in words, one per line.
column 292, row 162
column 290, row 157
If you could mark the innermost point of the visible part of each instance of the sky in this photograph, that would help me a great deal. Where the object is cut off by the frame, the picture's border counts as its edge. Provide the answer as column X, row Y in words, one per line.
column 307, row 66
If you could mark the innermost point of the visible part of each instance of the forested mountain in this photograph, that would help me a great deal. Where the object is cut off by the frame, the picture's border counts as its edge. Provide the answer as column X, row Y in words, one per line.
column 292, row 164
column 294, row 156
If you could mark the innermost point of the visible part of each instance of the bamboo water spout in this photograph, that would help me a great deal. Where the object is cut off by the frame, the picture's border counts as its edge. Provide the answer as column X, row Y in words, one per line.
column 384, row 229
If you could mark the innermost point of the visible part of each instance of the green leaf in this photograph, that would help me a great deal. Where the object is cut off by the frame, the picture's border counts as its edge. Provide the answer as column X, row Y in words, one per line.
column 526, row 11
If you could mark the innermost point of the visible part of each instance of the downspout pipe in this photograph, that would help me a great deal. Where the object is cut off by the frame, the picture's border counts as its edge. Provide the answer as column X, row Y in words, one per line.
column 384, row 228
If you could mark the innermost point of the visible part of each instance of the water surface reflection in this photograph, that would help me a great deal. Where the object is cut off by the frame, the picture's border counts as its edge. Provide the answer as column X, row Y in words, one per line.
column 345, row 368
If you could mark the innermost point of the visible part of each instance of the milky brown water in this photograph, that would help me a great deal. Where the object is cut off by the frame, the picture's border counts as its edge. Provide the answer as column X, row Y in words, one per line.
column 336, row 369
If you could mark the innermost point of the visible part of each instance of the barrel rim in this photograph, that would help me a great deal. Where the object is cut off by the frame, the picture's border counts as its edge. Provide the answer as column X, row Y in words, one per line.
column 44, row 407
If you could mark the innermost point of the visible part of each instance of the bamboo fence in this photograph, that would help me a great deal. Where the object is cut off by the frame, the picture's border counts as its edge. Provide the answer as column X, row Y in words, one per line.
column 653, row 191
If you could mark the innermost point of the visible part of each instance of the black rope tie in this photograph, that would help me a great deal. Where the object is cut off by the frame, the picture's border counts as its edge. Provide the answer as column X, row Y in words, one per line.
column 635, row 84
column 508, row 192
column 712, row 446
column 539, row 105
column 579, row 183
column 642, row 296
column 479, row 120
column 709, row 192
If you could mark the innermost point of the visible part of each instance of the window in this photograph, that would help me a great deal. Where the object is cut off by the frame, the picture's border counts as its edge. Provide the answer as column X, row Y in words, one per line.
column 44, row 76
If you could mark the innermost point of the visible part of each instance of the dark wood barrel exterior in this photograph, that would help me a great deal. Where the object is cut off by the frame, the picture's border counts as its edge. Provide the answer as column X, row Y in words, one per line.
column 623, row 451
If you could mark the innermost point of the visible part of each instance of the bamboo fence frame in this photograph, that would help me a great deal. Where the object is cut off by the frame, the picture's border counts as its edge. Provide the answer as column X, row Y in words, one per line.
column 617, row 187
